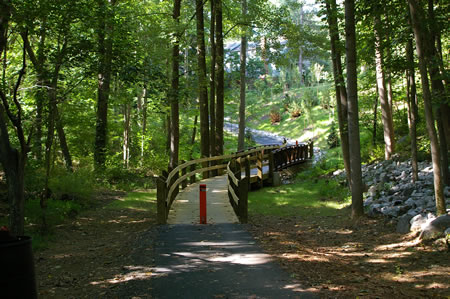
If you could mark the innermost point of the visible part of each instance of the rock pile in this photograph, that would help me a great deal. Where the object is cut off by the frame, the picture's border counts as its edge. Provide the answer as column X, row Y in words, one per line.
column 391, row 193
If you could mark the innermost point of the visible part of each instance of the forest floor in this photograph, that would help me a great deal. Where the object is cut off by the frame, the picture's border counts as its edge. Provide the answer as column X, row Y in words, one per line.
column 341, row 259
column 87, row 255
column 329, row 255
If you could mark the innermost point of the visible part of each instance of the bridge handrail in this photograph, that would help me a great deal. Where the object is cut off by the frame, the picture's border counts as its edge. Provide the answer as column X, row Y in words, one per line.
column 279, row 156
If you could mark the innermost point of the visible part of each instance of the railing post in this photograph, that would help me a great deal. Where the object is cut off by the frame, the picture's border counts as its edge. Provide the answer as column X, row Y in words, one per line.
column 183, row 172
column 247, row 170
column 161, row 198
column 243, row 200
column 271, row 167
column 238, row 168
column 192, row 178
column 311, row 148
column 259, row 166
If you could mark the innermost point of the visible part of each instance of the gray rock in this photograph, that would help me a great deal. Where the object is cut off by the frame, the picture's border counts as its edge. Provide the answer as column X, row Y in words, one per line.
column 418, row 221
column 403, row 224
column 410, row 202
column 373, row 190
column 435, row 228
column 390, row 211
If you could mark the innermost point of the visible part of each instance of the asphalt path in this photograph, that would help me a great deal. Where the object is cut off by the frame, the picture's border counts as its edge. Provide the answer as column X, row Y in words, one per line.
column 205, row 261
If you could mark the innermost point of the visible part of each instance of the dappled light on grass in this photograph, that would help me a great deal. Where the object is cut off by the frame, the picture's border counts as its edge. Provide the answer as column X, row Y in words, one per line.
column 139, row 201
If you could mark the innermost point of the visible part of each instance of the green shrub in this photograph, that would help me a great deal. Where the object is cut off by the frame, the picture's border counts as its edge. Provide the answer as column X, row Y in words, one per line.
column 275, row 116
column 72, row 186
column 333, row 138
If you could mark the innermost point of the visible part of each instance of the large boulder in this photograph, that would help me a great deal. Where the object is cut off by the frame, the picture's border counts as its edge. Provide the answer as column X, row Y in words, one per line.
column 435, row 228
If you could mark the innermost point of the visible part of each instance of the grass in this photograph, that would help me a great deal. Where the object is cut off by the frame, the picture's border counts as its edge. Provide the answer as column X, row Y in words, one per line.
column 314, row 124
column 139, row 201
column 305, row 197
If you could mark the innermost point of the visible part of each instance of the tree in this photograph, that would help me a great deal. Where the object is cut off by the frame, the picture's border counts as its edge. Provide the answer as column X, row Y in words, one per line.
column 412, row 107
column 105, row 48
column 353, row 119
column 174, row 92
column 212, row 82
column 341, row 93
column 420, row 34
column 220, row 79
column 12, row 159
column 202, row 85
column 386, row 113
column 242, row 83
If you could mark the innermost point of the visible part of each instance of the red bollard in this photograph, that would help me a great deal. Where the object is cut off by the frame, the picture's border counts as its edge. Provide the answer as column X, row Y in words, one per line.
column 296, row 142
column 202, row 204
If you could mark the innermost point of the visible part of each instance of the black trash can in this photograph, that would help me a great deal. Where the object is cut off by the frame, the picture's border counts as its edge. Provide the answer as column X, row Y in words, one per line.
column 17, row 278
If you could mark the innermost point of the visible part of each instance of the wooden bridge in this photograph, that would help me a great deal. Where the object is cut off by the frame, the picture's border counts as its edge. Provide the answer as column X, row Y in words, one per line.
column 242, row 171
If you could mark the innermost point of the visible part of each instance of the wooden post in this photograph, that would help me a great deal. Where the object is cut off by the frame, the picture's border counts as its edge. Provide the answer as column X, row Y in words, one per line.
column 192, row 178
column 247, row 170
column 259, row 166
column 238, row 168
column 311, row 149
column 161, row 194
column 271, row 167
column 243, row 200
column 183, row 172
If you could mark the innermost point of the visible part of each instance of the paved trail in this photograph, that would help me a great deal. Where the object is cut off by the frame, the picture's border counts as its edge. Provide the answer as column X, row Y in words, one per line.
column 217, row 260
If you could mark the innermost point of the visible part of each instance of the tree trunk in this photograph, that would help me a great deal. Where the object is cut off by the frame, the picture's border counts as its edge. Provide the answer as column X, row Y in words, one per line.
column 105, row 46
column 63, row 141
column 353, row 119
column 126, row 134
column 375, row 114
column 12, row 160
column 412, row 108
column 212, row 83
column 341, row 93
column 202, row 85
column 220, row 79
column 243, row 61
column 300, row 54
column 264, row 54
column 386, row 114
column 174, row 92
column 144, row 122
column 420, row 37
column 438, row 91
column 194, row 133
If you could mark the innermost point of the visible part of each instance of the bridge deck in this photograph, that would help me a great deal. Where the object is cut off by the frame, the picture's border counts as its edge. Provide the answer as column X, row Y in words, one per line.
column 185, row 209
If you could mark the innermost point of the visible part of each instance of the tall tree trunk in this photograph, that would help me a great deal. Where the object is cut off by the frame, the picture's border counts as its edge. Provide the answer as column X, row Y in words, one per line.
column 300, row 54
column 63, row 141
column 202, row 85
column 105, row 47
column 341, row 93
column 438, row 91
column 353, row 118
column 12, row 160
column 412, row 108
column 212, row 83
column 375, row 114
column 243, row 62
column 194, row 133
column 126, row 134
column 174, row 92
column 220, row 79
column 264, row 54
column 420, row 37
column 144, row 121
column 386, row 114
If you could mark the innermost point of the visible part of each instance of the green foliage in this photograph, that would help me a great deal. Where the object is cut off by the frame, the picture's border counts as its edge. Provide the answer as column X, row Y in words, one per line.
column 77, row 186
column 55, row 213
column 333, row 138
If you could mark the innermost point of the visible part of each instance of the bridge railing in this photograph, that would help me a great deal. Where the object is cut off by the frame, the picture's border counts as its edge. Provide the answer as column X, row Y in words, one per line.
column 169, row 183
column 238, row 167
